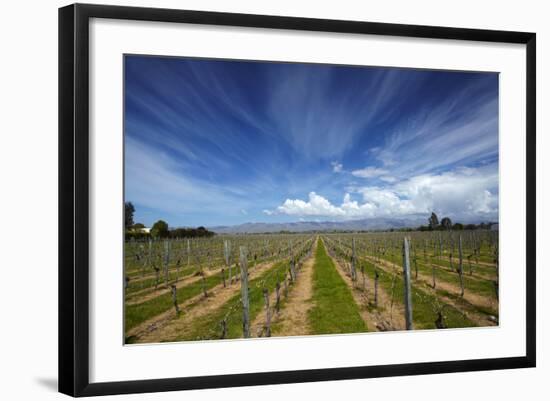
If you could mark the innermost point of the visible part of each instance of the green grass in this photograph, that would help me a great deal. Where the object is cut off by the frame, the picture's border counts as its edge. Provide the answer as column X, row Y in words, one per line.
column 335, row 310
column 209, row 326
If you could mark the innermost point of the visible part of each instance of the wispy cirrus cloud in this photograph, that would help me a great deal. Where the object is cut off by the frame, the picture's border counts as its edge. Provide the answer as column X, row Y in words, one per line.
column 215, row 139
column 461, row 129
column 370, row 172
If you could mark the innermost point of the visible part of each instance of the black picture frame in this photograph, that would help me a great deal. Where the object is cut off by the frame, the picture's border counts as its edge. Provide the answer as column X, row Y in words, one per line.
column 74, row 198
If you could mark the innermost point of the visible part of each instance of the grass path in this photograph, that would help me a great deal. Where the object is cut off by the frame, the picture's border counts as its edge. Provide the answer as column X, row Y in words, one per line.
column 334, row 310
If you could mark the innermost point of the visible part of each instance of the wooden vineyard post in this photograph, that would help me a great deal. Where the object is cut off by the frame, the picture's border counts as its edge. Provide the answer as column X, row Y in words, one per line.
column 244, row 291
column 226, row 256
column 223, row 276
column 157, row 276
column 440, row 321
column 277, row 296
column 353, row 261
column 286, row 287
column 476, row 248
column 433, row 276
column 203, row 281
column 376, row 277
column 175, row 299
column 393, row 280
column 415, row 267
column 166, row 260
column 188, row 253
column 440, row 247
column 224, row 328
column 451, row 250
column 267, row 313
column 203, row 276
column 364, row 277
column 407, row 284
column 146, row 263
column 460, row 267
column 149, row 254
column 230, row 277
column 496, row 282
column 292, row 269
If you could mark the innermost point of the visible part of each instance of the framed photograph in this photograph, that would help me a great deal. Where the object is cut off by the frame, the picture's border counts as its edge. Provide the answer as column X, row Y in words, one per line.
column 251, row 199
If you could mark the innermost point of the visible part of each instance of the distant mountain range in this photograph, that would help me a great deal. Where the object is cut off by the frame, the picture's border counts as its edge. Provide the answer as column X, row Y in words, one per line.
column 301, row 226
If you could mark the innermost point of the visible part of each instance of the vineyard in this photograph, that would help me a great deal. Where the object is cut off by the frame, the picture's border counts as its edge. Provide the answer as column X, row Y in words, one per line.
column 243, row 286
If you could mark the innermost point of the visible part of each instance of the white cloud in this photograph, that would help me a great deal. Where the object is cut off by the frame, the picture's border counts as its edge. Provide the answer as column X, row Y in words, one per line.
column 315, row 206
column 388, row 178
column 369, row 172
column 336, row 167
column 466, row 194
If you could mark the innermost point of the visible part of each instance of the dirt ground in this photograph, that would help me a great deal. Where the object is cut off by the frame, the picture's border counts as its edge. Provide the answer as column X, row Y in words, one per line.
column 292, row 319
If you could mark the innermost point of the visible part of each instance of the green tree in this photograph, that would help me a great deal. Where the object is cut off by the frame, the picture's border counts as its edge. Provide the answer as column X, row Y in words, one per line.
column 129, row 214
column 433, row 221
column 446, row 223
column 160, row 229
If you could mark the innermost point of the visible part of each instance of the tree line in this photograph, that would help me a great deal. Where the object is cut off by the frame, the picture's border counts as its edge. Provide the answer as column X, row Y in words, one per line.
column 159, row 230
column 446, row 224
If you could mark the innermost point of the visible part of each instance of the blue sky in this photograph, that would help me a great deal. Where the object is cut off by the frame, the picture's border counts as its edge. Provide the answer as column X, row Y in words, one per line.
column 215, row 142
